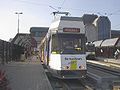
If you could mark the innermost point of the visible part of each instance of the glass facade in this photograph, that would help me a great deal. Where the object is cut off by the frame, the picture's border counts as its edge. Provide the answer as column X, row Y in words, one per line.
column 104, row 28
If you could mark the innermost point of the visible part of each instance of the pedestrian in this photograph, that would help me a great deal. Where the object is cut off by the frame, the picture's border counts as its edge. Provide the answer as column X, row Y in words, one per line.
column 25, row 54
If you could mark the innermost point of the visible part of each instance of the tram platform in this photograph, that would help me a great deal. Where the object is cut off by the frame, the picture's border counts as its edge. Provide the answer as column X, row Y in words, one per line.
column 28, row 75
column 110, row 60
column 102, row 80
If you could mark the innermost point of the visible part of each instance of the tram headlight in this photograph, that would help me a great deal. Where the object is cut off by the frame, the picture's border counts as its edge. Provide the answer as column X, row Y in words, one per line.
column 67, row 67
column 81, row 67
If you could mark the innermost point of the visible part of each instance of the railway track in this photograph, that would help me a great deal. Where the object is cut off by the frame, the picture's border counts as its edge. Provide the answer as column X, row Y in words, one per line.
column 70, row 84
column 82, row 84
column 66, row 84
column 105, row 68
column 105, row 76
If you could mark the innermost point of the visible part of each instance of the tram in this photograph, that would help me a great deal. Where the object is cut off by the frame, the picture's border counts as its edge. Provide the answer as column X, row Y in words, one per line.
column 62, row 50
column 90, row 51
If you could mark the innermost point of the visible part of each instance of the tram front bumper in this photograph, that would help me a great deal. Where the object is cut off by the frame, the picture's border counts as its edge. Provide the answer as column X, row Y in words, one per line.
column 71, row 74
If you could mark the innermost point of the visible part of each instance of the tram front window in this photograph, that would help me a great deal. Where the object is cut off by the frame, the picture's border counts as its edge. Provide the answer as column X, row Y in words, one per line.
column 67, row 44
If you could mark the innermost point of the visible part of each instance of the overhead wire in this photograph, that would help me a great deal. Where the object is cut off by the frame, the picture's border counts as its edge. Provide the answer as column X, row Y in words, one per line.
column 62, row 4
column 61, row 7
column 58, row 8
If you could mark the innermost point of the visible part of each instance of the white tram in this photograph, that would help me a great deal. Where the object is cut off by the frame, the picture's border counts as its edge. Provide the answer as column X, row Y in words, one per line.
column 63, row 48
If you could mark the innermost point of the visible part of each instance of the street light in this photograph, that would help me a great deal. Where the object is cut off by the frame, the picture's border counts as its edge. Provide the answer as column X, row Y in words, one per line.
column 18, row 13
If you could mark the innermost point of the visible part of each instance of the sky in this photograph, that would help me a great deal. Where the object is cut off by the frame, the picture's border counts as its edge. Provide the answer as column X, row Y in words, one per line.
column 38, row 13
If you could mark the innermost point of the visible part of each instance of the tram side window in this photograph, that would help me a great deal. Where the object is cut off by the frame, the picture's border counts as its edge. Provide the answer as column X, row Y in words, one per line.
column 54, row 44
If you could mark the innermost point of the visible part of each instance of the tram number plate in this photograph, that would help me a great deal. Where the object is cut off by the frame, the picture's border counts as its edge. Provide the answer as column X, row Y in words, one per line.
column 73, row 65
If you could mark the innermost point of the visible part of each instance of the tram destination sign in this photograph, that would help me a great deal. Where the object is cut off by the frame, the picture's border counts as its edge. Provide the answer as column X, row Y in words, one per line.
column 71, row 29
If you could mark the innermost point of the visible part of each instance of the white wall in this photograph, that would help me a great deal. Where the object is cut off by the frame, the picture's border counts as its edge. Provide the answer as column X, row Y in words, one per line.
column 91, row 32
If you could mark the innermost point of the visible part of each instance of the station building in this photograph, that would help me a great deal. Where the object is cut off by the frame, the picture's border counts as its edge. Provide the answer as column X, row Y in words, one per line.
column 90, row 29
column 38, row 33
column 26, row 41
column 103, row 27
column 97, row 27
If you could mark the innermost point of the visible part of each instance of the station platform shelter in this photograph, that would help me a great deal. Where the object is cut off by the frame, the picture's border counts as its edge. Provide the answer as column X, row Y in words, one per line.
column 107, row 48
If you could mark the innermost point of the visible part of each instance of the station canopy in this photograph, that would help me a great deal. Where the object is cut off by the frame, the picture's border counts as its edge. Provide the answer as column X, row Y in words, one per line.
column 98, row 43
column 110, row 42
column 24, row 40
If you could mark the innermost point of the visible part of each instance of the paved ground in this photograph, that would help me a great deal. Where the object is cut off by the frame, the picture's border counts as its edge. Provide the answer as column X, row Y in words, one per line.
column 27, row 76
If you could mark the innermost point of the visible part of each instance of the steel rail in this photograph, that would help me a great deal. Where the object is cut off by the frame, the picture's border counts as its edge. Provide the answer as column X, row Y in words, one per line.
column 106, row 69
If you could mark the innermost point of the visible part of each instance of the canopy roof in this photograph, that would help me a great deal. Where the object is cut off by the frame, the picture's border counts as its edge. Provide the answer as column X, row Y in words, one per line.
column 109, row 42
column 98, row 43
column 24, row 40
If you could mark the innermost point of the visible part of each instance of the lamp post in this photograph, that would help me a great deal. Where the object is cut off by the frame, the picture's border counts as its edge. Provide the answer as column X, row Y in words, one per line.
column 18, row 13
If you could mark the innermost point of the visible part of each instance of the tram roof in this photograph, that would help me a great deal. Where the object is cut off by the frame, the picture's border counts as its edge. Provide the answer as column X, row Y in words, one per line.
column 71, row 18
column 61, row 22
column 67, row 18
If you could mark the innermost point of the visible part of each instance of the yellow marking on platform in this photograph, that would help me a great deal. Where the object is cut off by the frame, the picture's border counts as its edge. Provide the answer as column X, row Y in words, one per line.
column 108, row 64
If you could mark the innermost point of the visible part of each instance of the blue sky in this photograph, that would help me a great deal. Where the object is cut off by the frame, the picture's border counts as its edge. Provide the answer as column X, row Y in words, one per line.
column 37, row 13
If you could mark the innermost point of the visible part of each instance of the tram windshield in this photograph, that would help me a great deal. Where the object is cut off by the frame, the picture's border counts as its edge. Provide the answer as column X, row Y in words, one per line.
column 68, row 43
